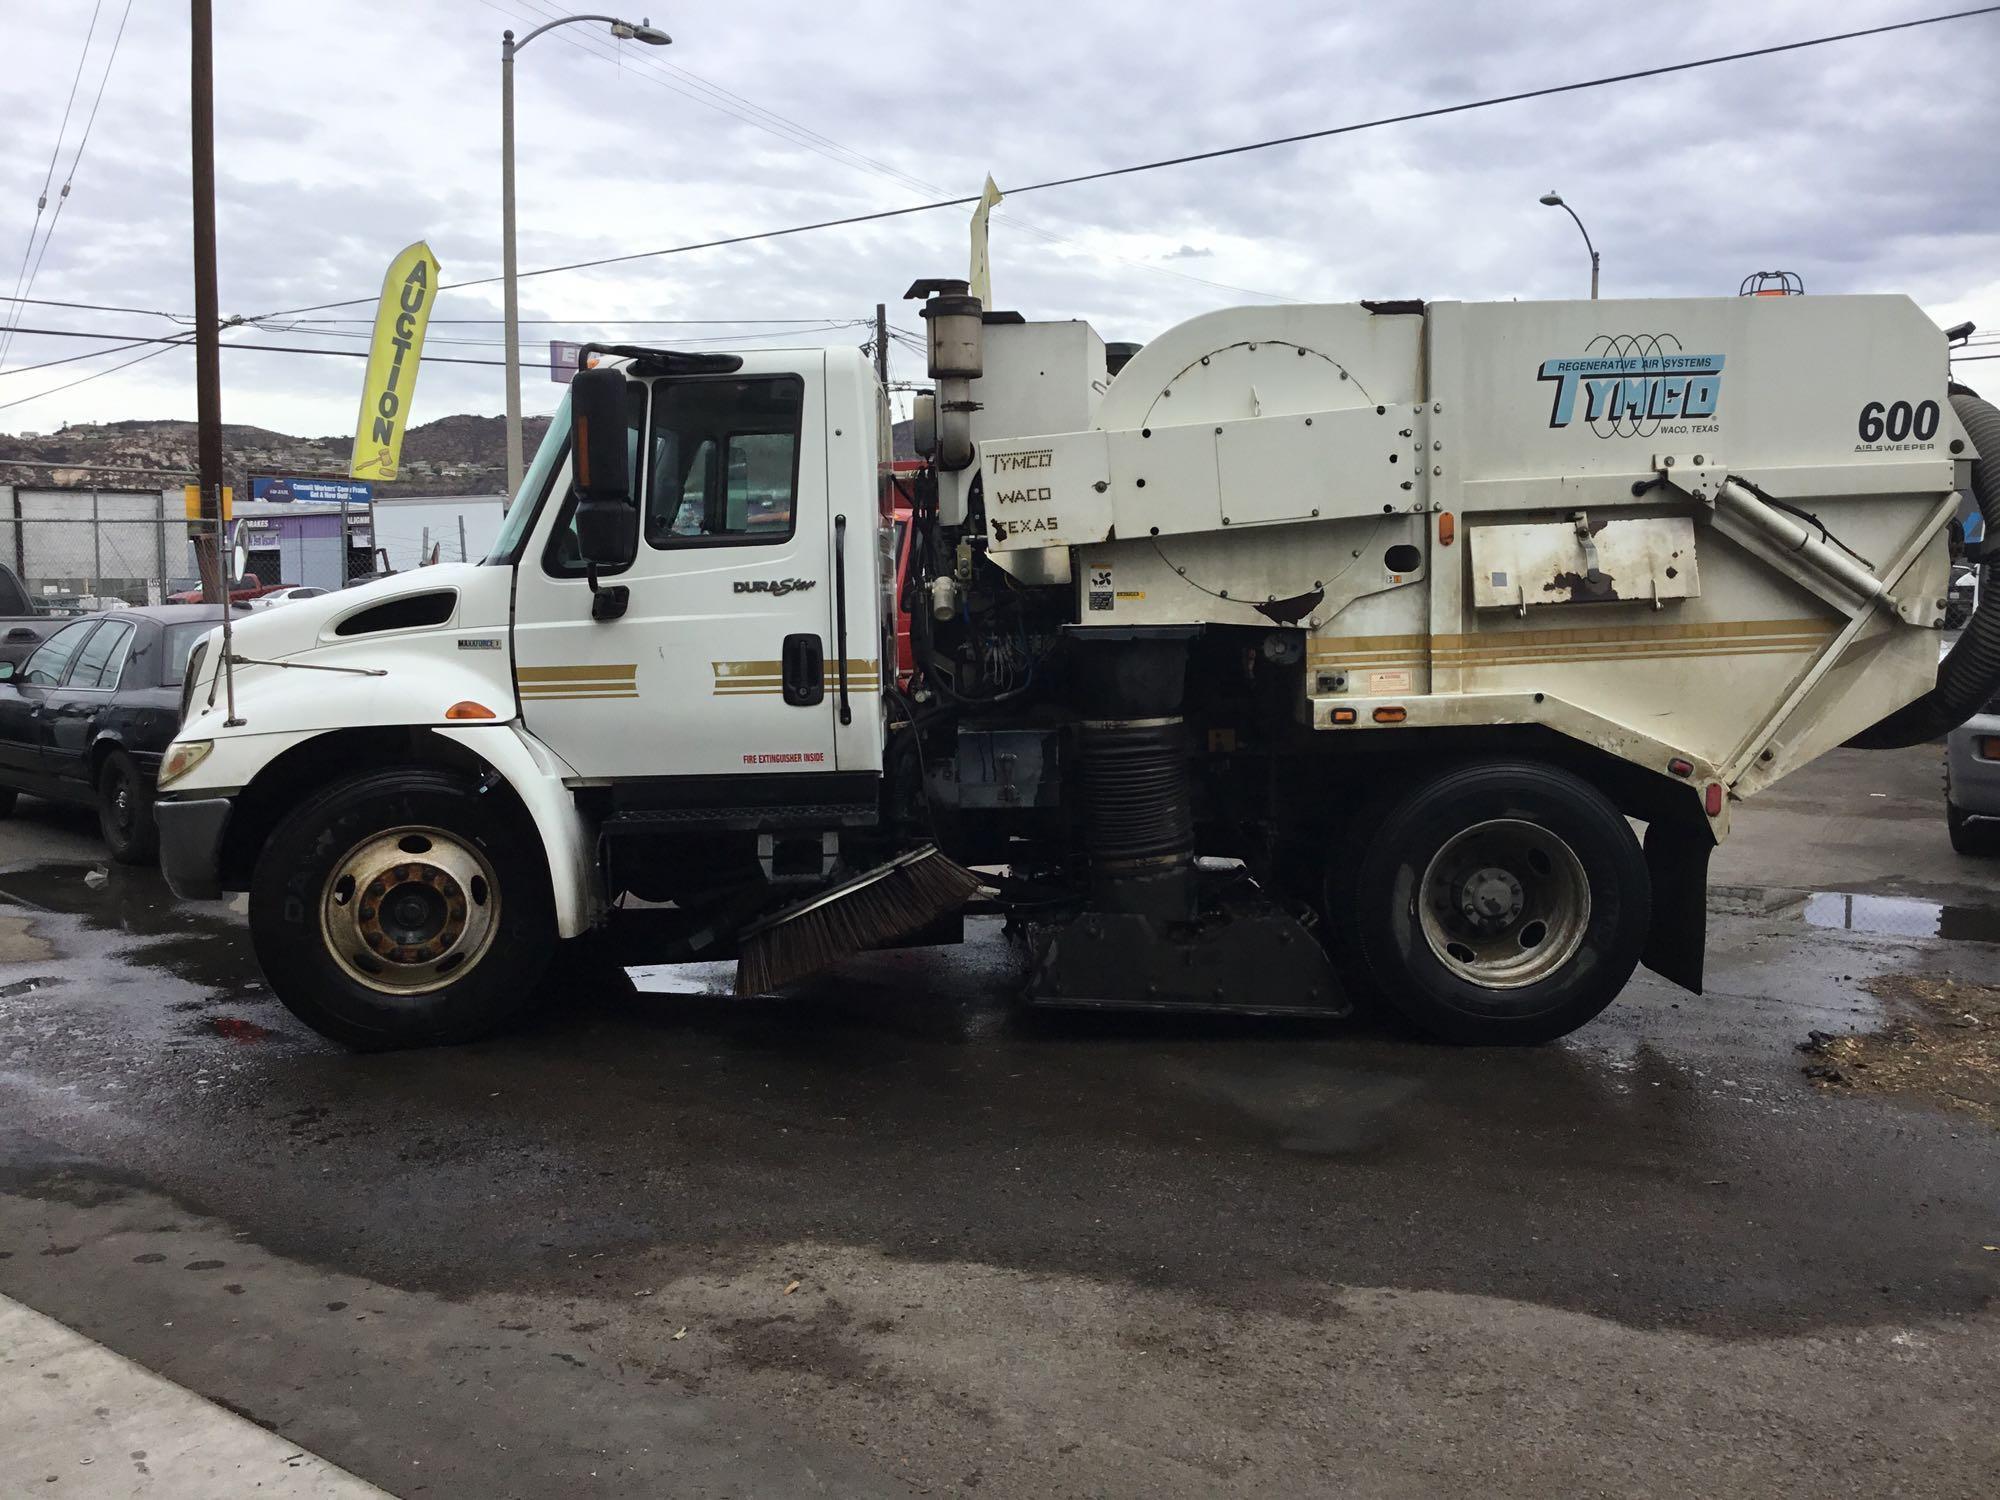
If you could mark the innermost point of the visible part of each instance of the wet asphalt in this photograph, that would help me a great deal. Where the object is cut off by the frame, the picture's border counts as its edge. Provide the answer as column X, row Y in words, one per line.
column 894, row 1236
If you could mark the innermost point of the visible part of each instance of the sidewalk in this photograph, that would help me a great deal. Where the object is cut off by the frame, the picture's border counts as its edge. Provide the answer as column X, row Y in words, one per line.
column 77, row 1419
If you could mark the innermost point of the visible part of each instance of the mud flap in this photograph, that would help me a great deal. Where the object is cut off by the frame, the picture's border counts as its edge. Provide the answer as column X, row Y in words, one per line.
column 1677, row 851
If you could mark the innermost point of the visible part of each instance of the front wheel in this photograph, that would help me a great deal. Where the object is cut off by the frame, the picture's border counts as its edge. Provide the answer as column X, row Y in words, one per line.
column 125, row 811
column 1502, row 904
column 403, row 909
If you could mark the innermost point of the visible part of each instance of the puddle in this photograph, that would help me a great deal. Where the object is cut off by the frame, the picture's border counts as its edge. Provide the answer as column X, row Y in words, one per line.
column 1900, row 916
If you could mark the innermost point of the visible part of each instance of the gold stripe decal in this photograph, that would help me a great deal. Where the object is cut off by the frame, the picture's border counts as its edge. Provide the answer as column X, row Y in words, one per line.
column 1621, row 643
column 743, row 679
column 616, row 680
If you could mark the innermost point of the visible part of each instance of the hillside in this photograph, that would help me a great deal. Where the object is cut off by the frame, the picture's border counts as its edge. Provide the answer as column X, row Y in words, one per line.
column 455, row 455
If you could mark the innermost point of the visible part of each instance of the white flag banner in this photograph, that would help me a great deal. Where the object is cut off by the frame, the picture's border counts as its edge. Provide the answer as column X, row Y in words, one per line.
column 981, row 278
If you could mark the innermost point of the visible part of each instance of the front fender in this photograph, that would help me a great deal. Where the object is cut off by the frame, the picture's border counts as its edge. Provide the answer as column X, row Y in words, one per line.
column 536, row 776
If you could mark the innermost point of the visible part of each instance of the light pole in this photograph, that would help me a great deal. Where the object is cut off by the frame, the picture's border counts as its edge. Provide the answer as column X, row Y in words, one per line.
column 644, row 31
column 1554, row 200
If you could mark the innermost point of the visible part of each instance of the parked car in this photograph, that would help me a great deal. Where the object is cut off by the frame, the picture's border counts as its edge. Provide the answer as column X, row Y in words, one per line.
column 86, row 718
column 285, row 595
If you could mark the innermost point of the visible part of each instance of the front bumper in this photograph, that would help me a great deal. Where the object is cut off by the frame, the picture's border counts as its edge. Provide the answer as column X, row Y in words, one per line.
column 191, row 845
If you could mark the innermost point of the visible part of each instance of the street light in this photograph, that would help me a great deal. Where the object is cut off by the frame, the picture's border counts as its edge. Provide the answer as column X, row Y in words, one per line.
column 645, row 32
column 1554, row 200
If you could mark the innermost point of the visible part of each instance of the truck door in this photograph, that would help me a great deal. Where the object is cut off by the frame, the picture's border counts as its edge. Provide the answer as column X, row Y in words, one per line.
column 720, row 663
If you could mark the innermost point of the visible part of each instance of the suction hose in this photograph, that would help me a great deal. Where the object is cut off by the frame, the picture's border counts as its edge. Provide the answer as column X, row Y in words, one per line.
column 1970, row 674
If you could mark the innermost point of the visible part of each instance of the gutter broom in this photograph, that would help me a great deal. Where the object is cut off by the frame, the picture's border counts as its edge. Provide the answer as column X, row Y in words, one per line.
column 877, row 907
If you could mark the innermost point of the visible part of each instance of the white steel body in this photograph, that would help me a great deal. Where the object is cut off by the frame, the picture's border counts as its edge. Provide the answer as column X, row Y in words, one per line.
column 1268, row 454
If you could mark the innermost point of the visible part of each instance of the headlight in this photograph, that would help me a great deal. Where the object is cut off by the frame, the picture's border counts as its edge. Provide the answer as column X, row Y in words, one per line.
column 182, row 757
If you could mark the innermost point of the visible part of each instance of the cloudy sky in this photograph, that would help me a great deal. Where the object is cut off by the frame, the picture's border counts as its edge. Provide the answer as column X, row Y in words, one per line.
column 348, row 128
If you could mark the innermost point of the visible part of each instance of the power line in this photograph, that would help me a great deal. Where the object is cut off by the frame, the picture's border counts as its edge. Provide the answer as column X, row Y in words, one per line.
column 182, row 343
column 1408, row 117
column 69, row 177
column 441, row 359
column 48, row 177
column 146, row 312
column 73, row 333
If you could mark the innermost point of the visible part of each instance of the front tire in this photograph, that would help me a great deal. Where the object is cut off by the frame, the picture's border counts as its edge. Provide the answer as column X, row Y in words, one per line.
column 125, row 811
column 403, row 909
column 1502, row 904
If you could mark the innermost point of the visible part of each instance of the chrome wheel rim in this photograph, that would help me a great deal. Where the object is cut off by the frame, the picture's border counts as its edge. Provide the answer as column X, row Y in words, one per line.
column 410, row 910
column 1504, row 904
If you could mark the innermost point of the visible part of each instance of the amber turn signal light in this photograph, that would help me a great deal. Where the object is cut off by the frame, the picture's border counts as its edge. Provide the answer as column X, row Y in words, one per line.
column 1391, row 715
column 465, row 708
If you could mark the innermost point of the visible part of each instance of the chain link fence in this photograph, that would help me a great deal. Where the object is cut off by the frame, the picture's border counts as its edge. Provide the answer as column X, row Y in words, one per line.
column 90, row 549
column 78, row 550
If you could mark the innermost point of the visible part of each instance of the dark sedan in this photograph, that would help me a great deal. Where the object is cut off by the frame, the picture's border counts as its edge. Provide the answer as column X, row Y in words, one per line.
column 87, row 717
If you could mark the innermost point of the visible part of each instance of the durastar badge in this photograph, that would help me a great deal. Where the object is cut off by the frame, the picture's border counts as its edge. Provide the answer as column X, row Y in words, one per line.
column 774, row 586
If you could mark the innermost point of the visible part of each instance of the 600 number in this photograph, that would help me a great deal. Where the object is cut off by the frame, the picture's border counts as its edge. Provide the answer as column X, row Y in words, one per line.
column 1899, row 421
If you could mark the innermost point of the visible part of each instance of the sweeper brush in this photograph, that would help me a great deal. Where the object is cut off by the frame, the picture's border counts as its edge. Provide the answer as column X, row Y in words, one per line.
column 893, row 901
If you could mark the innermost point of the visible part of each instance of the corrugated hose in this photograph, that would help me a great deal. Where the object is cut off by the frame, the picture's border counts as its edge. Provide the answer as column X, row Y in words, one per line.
column 1970, row 674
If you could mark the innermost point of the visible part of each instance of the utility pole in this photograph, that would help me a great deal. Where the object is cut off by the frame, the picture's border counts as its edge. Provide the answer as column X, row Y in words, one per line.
column 208, row 333
column 885, row 450
column 510, row 303
column 882, row 345
column 207, row 313
column 461, row 538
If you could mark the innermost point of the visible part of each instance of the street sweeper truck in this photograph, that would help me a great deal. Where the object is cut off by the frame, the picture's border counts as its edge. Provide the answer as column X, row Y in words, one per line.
column 1304, row 655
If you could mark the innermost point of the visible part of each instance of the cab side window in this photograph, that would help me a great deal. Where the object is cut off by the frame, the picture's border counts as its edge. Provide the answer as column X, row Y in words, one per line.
column 724, row 461
column 52, row 658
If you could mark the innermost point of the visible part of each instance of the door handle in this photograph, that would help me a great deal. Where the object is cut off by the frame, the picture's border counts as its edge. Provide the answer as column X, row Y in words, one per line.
column 804, row 671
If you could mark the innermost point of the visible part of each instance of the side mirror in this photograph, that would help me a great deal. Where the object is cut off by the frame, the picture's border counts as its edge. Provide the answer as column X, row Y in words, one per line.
column 607, row 519
column 7, row 669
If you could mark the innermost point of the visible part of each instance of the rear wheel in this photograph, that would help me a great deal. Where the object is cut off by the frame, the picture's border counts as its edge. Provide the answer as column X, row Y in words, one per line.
column 1970, row 835
column 1502, row 904
column 125, row 811
column 403, row 909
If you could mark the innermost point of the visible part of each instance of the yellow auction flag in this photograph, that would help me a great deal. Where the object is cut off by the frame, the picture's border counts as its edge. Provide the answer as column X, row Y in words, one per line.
column 400, row 320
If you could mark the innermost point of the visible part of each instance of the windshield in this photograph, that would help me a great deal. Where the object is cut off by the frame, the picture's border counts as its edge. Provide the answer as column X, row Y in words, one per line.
column 521, row 512
column 182, row 639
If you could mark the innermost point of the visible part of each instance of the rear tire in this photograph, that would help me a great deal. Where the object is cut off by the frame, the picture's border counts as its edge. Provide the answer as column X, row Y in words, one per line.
column 403, row 909
column 1503, row 904
column 1970, row 835
column 125, row 811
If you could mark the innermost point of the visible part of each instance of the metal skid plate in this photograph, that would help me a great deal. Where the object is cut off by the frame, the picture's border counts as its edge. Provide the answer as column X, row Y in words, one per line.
column 1256, row 963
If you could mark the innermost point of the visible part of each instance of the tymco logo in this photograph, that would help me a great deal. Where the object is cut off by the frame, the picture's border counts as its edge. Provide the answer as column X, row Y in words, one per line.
column 1634, row 385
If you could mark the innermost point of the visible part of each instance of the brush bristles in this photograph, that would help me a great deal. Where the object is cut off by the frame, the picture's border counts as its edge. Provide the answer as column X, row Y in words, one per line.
column 905, row 900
